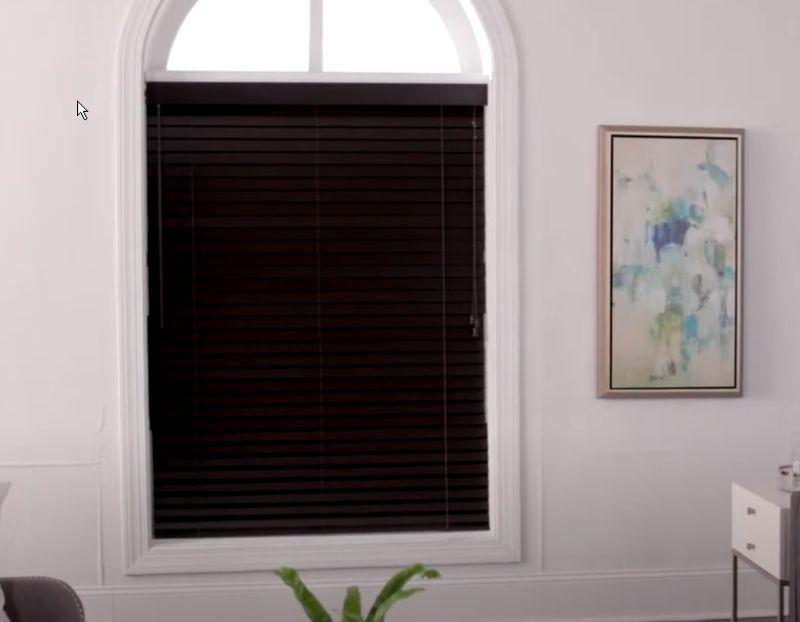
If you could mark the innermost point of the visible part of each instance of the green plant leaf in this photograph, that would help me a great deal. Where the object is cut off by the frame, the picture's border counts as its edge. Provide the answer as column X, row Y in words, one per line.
column 351, row 610
column 395, row 585
column 390, row 602
column 313, row 608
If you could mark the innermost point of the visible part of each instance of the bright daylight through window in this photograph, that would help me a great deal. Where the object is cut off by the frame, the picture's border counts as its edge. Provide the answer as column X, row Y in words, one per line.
column 404, row 36
column 389, row 36
column 243, row 35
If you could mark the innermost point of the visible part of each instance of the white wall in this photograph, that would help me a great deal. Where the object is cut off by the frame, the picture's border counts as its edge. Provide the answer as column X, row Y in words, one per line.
column 625, row 502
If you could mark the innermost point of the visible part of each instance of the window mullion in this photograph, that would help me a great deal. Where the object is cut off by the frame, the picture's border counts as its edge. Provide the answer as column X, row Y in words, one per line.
column 315, row 36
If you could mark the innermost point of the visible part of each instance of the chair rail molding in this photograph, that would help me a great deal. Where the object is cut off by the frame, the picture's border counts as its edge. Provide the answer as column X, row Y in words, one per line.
column 502, row 543
column 626, row 596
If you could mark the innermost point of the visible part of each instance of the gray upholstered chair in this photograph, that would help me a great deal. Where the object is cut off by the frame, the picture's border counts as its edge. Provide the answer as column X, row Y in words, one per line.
column 41, row 599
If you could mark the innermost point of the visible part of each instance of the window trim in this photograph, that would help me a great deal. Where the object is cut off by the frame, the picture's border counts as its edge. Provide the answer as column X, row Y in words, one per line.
column 502, row 543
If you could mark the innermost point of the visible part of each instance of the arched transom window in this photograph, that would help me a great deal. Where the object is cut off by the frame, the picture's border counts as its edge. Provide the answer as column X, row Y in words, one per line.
column 331, row 36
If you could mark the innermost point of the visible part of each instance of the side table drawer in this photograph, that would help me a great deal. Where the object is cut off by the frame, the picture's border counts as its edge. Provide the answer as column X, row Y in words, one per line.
column 757, row 530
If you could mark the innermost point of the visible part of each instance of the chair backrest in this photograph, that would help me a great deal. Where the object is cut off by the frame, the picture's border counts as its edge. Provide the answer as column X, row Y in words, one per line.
column 41, row 599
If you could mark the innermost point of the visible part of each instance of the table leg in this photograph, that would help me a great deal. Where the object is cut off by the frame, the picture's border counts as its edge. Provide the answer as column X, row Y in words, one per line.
column 735, row 575
column 780, row 601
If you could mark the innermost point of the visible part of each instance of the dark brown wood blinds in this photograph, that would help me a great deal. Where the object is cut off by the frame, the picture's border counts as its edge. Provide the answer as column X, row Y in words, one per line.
column 316, row 298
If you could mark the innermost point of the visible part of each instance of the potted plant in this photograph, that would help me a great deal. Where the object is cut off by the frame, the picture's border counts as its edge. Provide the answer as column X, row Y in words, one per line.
column 393, row 592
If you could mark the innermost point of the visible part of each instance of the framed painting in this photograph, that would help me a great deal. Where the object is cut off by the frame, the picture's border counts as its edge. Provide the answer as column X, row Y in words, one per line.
column 670, row 261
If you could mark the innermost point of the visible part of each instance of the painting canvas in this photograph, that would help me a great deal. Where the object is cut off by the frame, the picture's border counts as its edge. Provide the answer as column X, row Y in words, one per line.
column 670, row 261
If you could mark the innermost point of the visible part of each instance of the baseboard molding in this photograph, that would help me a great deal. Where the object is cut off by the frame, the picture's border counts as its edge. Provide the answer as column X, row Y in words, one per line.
column 635, row 596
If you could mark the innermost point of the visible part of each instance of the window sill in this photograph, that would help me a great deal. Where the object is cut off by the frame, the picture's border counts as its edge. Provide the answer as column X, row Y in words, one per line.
column 321, row 552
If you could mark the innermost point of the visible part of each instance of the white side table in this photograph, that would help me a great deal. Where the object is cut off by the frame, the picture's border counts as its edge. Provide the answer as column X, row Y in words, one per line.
column 759, row 534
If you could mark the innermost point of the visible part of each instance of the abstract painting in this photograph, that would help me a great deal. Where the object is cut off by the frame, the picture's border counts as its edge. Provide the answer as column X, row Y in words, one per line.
column 670, row 259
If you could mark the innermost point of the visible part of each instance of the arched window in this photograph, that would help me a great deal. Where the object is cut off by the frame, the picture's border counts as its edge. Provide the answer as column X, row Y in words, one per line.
column 421, row 43
column 442, row 37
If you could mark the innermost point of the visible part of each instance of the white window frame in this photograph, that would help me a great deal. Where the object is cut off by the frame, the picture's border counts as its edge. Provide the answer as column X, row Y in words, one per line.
column 502, row 542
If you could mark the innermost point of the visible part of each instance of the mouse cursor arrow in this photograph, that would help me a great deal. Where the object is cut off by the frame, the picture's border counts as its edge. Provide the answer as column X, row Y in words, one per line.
column 82, row 111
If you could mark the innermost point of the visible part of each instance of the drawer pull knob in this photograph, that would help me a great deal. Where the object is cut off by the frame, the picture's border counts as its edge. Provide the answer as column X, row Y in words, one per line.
column 751, row 511
column 751, row 546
